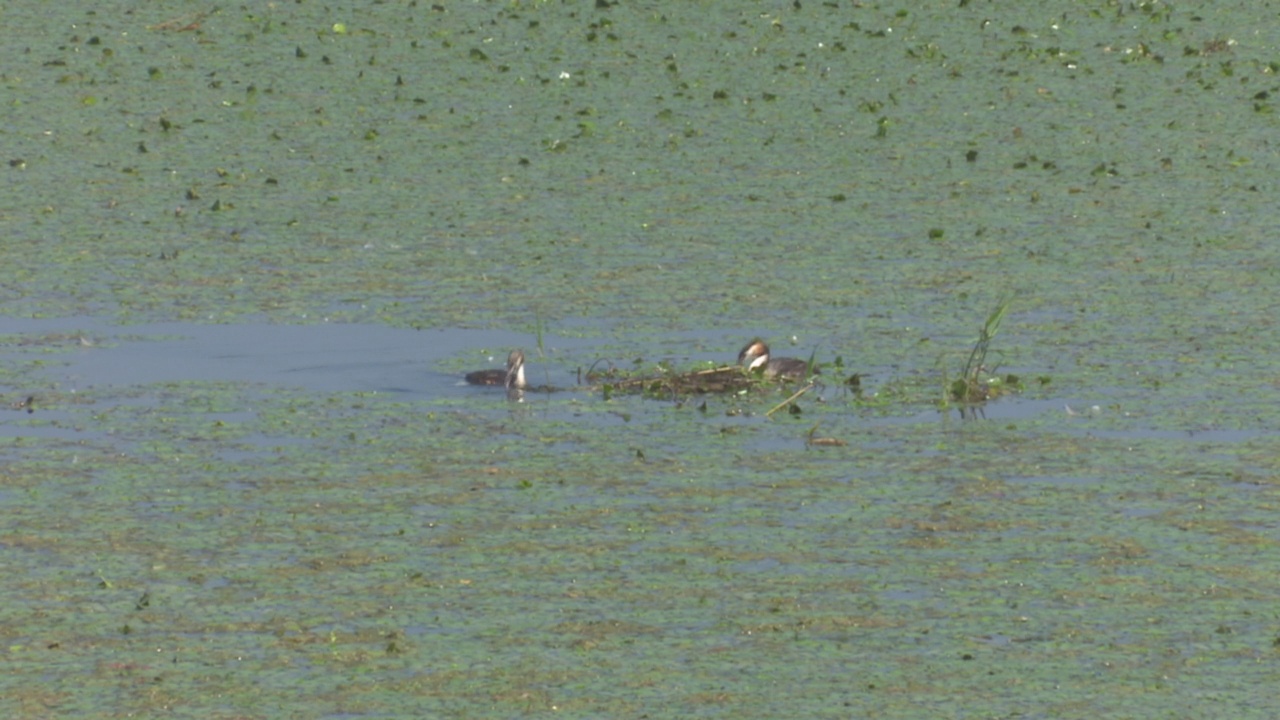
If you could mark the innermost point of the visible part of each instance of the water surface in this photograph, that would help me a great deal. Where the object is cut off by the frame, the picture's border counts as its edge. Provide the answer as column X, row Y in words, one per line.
column 250, row 251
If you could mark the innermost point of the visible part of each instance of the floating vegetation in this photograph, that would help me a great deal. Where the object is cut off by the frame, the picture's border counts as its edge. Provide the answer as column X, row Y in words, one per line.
column 666, row 382
column 977, row 384
column 755, row 369
column 723, row 379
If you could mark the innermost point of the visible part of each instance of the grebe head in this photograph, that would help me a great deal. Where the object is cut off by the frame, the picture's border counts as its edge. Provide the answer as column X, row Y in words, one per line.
column 754, row 354
column 755, row 358
column 515, row 370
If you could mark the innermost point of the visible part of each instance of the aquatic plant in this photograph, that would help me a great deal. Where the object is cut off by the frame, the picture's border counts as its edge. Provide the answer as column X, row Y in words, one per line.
column 975, row 384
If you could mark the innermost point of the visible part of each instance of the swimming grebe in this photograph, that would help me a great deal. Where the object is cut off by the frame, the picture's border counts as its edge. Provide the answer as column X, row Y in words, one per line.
column 755, row 355
column 512, row 377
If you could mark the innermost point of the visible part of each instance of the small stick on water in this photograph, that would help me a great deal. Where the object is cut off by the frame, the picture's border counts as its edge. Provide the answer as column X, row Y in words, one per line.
column 788, row 401
column 537, row 330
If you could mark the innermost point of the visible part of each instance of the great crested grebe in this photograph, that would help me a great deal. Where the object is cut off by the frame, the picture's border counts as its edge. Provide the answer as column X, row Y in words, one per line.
column 755, row 356
column 512, row 377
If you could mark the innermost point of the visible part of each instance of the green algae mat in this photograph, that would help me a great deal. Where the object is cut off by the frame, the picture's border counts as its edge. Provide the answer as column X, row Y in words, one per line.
column 858, row 181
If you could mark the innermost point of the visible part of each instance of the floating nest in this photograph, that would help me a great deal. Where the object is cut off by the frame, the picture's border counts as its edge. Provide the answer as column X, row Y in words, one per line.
column 726, row 379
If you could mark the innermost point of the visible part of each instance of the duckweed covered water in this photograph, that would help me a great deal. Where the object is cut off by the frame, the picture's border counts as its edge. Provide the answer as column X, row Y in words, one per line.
column 666, row 182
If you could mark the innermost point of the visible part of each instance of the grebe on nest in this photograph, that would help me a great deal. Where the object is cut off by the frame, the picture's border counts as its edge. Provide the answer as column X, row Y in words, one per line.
column 755, row 356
